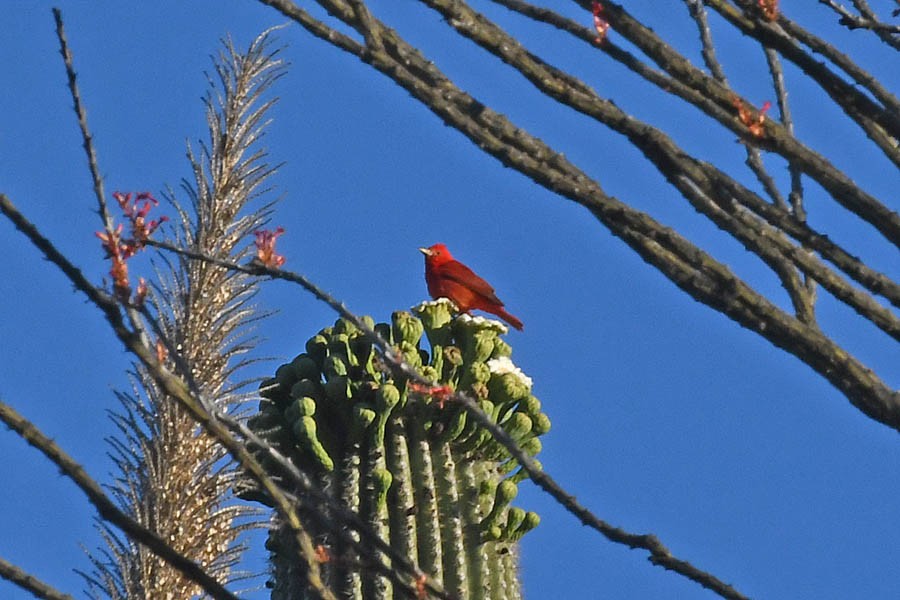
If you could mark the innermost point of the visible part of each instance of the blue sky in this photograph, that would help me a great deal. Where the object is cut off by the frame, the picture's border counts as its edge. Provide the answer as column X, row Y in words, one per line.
column 667, row 417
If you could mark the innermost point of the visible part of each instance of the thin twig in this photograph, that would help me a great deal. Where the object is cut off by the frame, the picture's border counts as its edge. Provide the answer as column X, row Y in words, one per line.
column 865, row 20
column 707, row 47
column 784, row 110
column 87, row 139
column 803, row 298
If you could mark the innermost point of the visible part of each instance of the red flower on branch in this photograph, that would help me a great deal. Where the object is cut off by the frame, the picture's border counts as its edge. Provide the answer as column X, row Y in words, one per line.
column 119, row 250
column 754, row 124
column 136, row 212
column 769, row 9
column 441, row 393
column 141, row 294
column 600, row 24
column 265, row 248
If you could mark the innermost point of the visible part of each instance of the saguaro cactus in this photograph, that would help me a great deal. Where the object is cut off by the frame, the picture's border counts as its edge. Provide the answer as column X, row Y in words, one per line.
column 425, row 477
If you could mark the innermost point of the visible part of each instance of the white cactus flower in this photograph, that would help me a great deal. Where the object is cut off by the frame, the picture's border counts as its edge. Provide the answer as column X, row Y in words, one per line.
column 505, row 365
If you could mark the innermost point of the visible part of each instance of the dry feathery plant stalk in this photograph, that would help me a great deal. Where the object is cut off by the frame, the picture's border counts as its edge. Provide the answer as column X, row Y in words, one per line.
column 171, row 477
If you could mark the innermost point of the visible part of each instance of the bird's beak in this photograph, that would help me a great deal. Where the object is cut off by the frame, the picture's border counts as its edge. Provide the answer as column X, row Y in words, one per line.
column 426, row 251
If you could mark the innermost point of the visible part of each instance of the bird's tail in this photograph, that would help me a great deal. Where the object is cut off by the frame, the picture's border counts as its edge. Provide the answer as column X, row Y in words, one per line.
column 501, row 312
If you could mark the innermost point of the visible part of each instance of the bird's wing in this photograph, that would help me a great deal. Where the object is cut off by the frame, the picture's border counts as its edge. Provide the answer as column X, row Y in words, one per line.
column 460, row 273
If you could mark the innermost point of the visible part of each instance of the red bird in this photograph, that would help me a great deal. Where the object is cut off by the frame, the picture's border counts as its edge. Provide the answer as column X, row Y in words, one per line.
column 448, row 278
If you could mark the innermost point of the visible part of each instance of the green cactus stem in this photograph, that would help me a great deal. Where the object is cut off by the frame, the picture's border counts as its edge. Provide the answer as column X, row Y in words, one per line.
column 424, row 476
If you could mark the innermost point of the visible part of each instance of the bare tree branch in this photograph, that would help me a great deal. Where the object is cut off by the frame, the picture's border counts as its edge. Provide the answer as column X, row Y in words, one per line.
column 105, row 506
column 687, row 266
column 38, row 588
column 865, row 20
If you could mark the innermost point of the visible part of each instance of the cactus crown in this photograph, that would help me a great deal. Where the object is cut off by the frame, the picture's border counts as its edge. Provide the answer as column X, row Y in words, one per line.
column 430, row 481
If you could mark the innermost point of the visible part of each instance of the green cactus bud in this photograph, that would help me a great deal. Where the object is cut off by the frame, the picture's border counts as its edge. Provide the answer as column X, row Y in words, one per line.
column 518, row 426
column 317, row 348
column 430, row 373
column 480, row 373
column 501, row 349
column 362, row 416
column 493, row 532
column 285, row 376
column 339, row 388
column 515, row 516
column 382, row 479
column 487, row 488
column 301, row 407
column 507, row 387
column 306, row 406
column 474, row 373
column 506, row 493
column 306, row 387
column 530, row 405
column 531, row 520
column 540, row 424
column 343, row 327
column 406, row 328
column 435, row 314
column 483, row 345
column 533, row 446
column 410, row 354
column 387, row 397
column 334, row 367
column 305, row 367
column 305, row 430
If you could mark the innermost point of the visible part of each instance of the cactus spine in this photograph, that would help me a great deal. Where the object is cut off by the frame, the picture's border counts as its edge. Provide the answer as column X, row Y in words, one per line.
column 424, row 476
